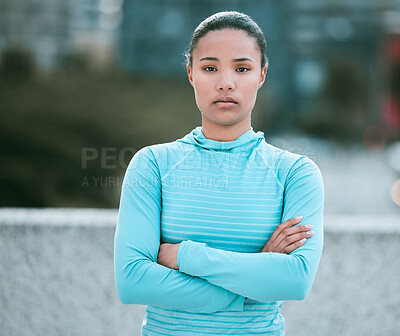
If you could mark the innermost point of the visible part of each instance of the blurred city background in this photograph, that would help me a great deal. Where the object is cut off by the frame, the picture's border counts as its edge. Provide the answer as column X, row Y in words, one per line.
column 85, row 84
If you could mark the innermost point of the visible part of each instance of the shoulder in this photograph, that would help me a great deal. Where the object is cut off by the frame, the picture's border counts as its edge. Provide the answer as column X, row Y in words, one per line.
column 287, row 164
column 277, row 158
column 168, row 151
column 159, row 156
column 162, row 149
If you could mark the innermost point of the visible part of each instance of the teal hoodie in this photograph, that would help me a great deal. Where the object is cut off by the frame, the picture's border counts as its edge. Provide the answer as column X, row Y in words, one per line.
column 221, row 201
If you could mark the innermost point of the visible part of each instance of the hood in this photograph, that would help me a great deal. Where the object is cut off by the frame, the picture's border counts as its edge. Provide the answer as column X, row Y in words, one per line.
column 246, row 140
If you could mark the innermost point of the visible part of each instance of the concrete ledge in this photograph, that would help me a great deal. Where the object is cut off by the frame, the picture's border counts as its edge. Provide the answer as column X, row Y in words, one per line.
column 57, row 278
column 108, row 218
column 69, row 217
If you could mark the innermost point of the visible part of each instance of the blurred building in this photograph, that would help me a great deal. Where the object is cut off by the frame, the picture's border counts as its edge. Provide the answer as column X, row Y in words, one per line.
column 324, row 32
column 53, row 30
column 313, row 46
column 390, row 65
column 336, row 59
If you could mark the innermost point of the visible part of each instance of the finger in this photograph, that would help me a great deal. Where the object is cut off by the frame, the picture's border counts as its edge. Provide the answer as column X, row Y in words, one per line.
column 266, row 247
column 291, row 231
column 287, row 237
column 273, row 241
column 294, row 246
column 286, row 224
column 287, row 241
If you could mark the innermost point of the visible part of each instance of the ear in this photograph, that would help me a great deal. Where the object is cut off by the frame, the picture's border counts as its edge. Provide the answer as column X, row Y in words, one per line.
column 263, row 76
column 190, row 74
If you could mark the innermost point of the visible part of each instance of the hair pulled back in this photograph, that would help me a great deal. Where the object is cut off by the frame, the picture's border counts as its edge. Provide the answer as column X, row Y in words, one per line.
column 228, row 20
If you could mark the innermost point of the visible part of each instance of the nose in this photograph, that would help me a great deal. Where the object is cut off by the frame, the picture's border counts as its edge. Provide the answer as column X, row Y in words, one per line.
column 225, row 83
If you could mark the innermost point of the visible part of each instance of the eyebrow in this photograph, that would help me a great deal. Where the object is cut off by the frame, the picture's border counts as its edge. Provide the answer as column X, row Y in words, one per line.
column 242, row 59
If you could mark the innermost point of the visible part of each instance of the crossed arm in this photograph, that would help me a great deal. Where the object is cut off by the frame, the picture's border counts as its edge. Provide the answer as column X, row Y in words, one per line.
column 139, row 278
column 267, row 276
column 209, row 279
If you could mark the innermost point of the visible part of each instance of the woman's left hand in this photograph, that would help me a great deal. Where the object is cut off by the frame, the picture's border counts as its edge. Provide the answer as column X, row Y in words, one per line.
column 168, row 255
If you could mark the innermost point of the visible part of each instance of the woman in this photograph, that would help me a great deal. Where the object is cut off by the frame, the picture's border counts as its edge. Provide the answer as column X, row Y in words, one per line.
column 198, row 215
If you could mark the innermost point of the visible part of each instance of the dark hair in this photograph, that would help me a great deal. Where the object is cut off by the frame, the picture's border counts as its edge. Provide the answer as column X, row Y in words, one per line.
column 228, row 20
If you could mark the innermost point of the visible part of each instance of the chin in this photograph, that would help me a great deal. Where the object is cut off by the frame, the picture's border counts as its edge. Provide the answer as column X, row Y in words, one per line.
column 225, row 122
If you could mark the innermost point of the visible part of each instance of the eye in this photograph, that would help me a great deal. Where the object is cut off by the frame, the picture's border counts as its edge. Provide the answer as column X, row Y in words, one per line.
column 209, row 68
column 242, row 69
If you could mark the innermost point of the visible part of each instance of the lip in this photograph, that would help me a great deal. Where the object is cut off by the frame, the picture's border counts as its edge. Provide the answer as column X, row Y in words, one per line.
column 226, row 100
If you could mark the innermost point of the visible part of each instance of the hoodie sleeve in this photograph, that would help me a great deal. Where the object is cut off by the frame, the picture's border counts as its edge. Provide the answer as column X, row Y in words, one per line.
column 268, row 276
column 139, row 278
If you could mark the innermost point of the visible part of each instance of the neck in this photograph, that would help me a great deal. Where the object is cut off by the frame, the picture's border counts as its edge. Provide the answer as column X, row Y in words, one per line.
column 224, row 132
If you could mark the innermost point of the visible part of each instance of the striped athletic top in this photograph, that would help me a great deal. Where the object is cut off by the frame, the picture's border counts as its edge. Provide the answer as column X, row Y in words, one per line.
column 222, row 201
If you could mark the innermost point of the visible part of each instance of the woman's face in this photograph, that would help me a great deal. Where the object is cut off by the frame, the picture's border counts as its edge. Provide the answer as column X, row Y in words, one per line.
column 226, row 74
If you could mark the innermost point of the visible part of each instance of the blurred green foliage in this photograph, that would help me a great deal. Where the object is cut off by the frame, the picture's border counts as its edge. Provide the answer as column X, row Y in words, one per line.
column 17, row 64
column 48, row 121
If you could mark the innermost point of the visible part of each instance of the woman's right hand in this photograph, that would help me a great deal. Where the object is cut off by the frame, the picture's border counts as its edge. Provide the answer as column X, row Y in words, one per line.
column 286, row 238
